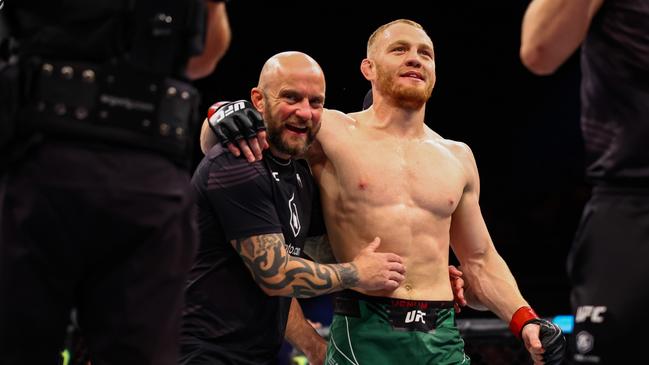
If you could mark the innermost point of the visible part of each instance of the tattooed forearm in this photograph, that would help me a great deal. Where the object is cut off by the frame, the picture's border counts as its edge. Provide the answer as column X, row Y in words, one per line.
column 348, row 275
column 279, row 273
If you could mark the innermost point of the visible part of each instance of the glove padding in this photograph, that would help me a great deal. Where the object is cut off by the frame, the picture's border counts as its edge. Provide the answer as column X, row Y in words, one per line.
column 232, row 121
column 552, row 340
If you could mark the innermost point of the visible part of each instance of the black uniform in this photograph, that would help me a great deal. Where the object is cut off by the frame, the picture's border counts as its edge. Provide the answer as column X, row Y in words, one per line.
column 607, row 264
column 228, row 318
column 95, row 208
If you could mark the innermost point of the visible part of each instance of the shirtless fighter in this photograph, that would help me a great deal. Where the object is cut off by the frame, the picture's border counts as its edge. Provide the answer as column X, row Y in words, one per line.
column 382, row 172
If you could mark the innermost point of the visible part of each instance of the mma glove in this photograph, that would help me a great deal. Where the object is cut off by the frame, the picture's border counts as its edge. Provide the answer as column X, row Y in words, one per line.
column 550, row 334
column 233, row 121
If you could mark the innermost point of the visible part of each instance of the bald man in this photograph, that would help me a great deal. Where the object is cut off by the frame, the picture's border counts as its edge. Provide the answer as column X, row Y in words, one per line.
column 254, row 220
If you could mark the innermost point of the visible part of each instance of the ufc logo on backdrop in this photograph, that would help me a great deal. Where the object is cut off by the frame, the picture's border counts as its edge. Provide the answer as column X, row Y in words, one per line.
column 415, row 316
column 227, row 110
column 593, row 312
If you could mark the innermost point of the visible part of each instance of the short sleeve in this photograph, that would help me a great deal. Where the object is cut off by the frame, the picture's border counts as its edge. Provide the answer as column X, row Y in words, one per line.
column 241, row 196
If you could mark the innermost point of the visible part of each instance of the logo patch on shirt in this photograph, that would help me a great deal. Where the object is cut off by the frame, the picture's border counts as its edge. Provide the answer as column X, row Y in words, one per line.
column 295, row 218
column 299, row 180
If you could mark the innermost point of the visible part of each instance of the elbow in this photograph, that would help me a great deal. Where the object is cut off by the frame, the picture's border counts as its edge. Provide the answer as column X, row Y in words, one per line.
column 198, row 70
column 537, row 59
column 271, row 290
column 275, row 285
column 204, row 64
column 474, row 269
column 207, row 138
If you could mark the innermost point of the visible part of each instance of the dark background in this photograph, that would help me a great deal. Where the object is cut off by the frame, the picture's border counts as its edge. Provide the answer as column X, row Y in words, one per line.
column 523, row 129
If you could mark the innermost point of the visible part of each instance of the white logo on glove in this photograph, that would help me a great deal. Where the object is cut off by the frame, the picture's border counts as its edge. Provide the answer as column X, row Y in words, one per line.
column 226, row 110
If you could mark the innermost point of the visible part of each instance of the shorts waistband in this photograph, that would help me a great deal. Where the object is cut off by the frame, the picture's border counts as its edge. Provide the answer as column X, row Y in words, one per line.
column 352, row 296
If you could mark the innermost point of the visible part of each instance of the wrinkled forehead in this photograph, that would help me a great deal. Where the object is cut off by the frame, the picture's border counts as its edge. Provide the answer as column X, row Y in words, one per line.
column 403, row 33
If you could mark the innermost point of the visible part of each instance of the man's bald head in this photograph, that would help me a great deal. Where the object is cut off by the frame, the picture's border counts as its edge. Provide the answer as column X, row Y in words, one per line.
column 290, row 97
column 284, row 65
column 286, row 80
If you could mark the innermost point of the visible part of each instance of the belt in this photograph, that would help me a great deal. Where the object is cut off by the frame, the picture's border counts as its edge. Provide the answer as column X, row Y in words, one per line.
column 110, row 103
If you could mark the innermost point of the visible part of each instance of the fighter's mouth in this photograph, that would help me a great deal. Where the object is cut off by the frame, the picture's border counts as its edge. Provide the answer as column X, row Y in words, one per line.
column 413, row 74
column 299, row 130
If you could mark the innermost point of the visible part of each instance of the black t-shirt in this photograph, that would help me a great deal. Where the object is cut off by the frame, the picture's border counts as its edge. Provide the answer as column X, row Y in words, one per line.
column 615, row 92
column 224, row 305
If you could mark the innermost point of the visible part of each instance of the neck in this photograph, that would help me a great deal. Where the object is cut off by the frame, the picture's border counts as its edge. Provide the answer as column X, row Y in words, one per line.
column 283, row 157
column 397, row 120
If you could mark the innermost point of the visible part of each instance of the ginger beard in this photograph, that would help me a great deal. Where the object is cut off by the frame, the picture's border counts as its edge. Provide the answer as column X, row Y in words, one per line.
column 285, row 137
column 409, row 96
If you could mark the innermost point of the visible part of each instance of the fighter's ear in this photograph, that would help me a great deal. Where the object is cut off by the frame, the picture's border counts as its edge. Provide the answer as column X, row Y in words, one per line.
column 368, row 69
column 257, row 98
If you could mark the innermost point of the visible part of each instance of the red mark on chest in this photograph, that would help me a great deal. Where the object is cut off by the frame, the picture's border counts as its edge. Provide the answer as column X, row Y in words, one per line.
column 362, row 185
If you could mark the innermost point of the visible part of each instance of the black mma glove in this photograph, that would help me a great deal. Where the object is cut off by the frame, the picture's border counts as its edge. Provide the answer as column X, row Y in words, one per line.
column 232, row 121
column 550, row 334
column 552, row 340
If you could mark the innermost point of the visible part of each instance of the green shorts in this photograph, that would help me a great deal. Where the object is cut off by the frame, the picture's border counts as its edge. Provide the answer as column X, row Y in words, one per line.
column 373, row 331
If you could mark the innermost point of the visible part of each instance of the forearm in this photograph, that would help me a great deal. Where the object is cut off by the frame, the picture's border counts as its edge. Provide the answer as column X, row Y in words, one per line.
column 552, row 30
column 303, row 336
column 280, row 274
column 491, row 284
column 305, row 278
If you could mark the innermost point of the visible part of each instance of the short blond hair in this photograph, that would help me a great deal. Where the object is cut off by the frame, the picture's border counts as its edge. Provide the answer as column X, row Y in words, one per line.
column 372, row 40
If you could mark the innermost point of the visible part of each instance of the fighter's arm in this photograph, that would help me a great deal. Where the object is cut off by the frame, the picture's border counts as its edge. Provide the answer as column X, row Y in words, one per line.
column 553, row 30
column 217, row 41
column 303, row 336
column 485, row 272
column 280, row 274
column 488, row 278
column 208, row 138
column 241, row 130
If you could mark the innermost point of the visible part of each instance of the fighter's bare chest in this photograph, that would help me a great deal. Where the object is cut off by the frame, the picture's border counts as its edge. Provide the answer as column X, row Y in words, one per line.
column 409, row 173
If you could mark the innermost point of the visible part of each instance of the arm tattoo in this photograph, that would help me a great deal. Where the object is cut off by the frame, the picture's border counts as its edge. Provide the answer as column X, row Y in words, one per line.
column 279, row 273
column 348, row 275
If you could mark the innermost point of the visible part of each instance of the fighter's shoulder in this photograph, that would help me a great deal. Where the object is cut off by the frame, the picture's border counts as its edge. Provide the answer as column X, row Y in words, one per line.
column 332, row 116
column 460, row 150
